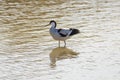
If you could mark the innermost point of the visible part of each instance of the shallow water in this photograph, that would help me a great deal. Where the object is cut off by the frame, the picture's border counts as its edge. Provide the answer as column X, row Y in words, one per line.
column 28, row 52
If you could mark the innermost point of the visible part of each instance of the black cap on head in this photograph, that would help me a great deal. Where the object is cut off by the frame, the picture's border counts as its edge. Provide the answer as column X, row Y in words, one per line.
column 52, row 21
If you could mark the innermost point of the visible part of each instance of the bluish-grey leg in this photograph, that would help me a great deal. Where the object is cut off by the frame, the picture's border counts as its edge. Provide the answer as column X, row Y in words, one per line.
column 59, row 43
column 64, row 43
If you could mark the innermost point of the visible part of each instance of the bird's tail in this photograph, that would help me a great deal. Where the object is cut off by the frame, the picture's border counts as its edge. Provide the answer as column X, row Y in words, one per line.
column 74, row 31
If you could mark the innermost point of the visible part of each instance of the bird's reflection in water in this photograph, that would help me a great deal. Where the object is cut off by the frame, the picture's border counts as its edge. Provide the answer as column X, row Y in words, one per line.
column 61, row 53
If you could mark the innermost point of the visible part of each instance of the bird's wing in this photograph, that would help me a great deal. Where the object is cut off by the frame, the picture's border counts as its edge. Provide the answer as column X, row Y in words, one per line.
column 64, row 32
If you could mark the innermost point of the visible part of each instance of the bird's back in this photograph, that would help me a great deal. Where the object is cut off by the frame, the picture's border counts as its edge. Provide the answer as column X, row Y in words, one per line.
column 58, row 34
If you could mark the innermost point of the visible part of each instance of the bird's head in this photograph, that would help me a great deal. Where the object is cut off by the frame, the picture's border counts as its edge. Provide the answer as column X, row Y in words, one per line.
column 53, row 23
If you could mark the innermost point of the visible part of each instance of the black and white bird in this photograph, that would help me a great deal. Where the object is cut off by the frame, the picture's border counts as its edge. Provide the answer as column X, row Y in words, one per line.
column 61, row 34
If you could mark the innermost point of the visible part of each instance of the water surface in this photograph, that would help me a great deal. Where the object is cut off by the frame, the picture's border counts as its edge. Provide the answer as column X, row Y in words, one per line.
column 27, row 49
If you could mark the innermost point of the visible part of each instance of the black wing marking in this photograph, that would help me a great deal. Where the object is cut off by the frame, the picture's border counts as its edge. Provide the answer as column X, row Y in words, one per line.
column 74, row 31
column 60, row 31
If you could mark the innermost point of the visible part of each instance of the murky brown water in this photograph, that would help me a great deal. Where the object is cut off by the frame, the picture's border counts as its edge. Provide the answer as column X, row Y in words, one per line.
column 27, row 50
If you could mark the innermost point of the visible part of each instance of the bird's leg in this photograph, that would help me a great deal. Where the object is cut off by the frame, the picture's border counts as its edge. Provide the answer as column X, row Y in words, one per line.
column 65, row 43
column 59, row 43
